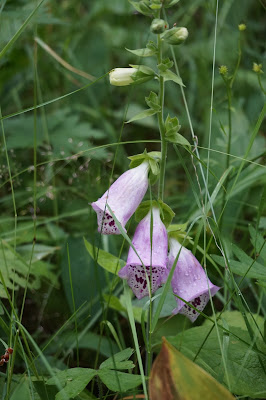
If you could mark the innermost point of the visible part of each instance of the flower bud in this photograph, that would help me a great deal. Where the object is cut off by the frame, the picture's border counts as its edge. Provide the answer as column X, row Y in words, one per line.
column 242, row 27
column 257, row 68
column 158, row 26
column 122, row 76
column 175, row 36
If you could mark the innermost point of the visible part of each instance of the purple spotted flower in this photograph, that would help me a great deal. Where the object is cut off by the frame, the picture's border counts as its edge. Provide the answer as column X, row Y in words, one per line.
column 123, row 197
column 153, row 260
column 189, row 281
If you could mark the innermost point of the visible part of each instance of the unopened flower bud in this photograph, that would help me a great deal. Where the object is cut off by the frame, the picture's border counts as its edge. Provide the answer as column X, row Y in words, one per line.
column 257, row 68
column 122, row 76
column 175, row 35
column 242, row 27
column 158, row 26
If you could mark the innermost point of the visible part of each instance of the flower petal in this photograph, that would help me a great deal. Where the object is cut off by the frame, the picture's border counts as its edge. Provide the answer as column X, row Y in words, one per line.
column 150, row 260
column 189, row 282
column 123, row 197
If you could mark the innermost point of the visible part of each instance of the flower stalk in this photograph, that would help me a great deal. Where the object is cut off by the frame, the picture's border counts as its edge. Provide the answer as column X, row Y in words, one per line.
column 161, row 123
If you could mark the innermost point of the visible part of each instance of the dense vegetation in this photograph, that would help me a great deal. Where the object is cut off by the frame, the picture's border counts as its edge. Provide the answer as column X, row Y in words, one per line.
column 65, row 138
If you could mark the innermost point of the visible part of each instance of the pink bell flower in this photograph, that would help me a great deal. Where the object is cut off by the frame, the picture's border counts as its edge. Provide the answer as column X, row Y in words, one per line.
column 152, row 261
column 123, row 197
column 189, row 281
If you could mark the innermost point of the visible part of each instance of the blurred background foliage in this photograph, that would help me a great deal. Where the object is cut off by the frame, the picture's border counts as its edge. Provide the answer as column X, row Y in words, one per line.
column 71, row 134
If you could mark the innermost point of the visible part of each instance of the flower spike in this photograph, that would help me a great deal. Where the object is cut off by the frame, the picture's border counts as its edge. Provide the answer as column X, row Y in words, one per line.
column 123, row 197
column 151, row 260
column 189, row 281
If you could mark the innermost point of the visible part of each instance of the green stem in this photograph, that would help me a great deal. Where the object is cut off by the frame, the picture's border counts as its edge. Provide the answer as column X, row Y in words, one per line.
column 161, row 124
column 260, row 83
column 228, row 151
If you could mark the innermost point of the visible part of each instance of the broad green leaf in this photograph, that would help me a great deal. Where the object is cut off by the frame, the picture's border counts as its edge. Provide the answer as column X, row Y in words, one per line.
column 178, row 139
column 46, row 392
column 144, row 114
column 74, row 381
column 141, row 7
column 22, row 391
column 243, row 365
column 174, row 376
column 105, row 260
column 89, row 340
column 119, row 381
column 143, row 52
column 119, row 360
column 171, row 76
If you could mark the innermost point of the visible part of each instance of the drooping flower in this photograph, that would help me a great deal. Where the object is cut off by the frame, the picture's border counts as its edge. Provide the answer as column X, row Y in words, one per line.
column 151, row 260
column 123, row 197
column 189, row 281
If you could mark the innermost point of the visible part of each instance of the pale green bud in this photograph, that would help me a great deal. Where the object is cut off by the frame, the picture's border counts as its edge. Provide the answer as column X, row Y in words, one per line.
column 122, row 76
column 158, row 26
column 175, row 35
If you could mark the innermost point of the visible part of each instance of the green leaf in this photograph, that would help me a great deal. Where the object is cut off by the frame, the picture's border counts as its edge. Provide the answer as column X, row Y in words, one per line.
column 144, row 69
column 178, row 139
column 114, row 302
column 153, row 101
column 174, row 376
column 14, row 271
column 143, row 114
column 258, row 242
column 170, row 3
column 74, row 381
column 147, row 52
column 245, row 267
column 154, row 167
column 244, row 374
column 106, row 260
column 22, row 391
column 44, row 391
column 165, row 65
column 166, row 212
column 171, row 76
column 89, row 340
column 141, row 7
column 119, row 381
column 171, row 125
column 119, row 360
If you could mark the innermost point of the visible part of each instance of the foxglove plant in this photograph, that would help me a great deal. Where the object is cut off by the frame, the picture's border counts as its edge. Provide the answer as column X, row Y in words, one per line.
column 123, row 197
column 189, row 281
column 150, row 259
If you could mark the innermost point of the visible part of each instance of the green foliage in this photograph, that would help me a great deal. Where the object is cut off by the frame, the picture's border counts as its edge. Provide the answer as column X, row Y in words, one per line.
column 241, row 373
column 75, row 380
column 63, row 141
column 15, row 270
column 106, row 260
column 175, row 376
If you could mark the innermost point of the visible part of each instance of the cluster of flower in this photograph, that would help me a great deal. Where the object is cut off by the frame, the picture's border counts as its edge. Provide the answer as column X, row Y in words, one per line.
column 149, row 263
column 5, row 357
